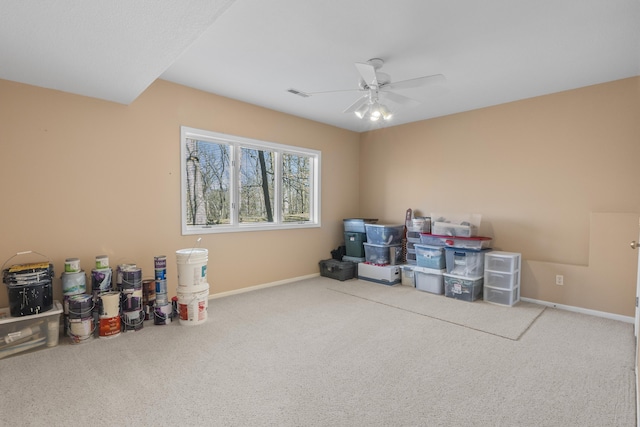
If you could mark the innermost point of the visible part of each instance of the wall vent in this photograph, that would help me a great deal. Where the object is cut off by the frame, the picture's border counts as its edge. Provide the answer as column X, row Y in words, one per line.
column 299, row 93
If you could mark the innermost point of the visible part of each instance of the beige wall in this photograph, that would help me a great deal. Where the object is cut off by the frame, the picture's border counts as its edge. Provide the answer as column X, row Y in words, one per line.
column 554, row 177
column 82, row 177
column 537, row 170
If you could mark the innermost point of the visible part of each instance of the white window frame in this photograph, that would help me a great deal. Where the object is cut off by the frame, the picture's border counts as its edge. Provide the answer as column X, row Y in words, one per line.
column 236, row 142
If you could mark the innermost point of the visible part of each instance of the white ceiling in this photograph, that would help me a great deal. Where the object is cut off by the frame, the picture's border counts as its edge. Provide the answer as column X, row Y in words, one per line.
column 490, row 51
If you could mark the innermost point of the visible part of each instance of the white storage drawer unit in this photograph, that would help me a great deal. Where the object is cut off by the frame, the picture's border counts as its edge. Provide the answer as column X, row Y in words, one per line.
column 502, row 277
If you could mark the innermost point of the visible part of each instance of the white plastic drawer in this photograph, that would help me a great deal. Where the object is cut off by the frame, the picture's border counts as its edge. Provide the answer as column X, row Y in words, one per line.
column 498, row 279
column 507, row 262
column 501, row 296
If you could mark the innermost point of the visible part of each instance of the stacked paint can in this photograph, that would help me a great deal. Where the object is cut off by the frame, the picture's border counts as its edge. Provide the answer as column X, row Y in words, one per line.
column 193, row 288
column 29, row 286
column 102, row 284
column 148, row 297
column 80, row 324
column 130, row 287
column 162, row 309
column 74, row 282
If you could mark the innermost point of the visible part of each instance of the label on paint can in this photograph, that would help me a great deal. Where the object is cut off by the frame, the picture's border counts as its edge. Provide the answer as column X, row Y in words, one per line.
column 102, row 261
column 109, row 326
column 72, row 265
column 161, row 274
column 160, row 262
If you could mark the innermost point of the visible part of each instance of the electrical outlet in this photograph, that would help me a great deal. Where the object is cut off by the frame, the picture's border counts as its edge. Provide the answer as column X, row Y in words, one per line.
column 559, row 279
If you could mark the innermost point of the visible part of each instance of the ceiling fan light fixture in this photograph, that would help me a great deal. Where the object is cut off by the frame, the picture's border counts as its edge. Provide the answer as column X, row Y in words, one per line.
column 374, row 112
column 361, row 112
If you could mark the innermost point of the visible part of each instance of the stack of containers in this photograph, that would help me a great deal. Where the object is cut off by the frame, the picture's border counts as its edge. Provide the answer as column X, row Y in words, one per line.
column 162, row 309
column 74, row 282
column 148, row 298
column 80, row 323
column 106, row 316
column 132, row 314
column 430, row 269
column 193, row 288
column 414, row 227
column 33, row 318
column 354, row 238
column 384, row 244
column 464, row 253
column 502, row 277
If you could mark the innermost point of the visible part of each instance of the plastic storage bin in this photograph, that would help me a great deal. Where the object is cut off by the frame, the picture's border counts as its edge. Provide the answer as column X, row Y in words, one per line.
column 433, row 240
column 339, row 270
column 502, row 296
column 465, row 262
column 36, row 331
column 455, row 224
column 357, row 225
column 407, row 275
column 448, row 229
column 430, row 256
column 384, row 234
column 353, row 241
column 382, row 254
column 429, row 280
column 507, row 262
column 462, row 288
column 469, row 242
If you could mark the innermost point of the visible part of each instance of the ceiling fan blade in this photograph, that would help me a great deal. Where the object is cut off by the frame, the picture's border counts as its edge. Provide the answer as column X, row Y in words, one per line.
column 333, row 91
column 399, row 99
column 417, row 82
column 353, row 107
column 368, row 74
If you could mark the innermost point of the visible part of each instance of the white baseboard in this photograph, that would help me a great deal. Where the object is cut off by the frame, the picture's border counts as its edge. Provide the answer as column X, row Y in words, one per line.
column 612, row 316
column 264, row 285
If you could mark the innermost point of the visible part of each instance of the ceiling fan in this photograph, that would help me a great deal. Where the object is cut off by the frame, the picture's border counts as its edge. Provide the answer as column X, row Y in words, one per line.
column 375, row 85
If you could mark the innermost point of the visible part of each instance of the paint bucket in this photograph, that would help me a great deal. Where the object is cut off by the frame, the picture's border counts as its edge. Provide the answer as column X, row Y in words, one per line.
column 29, row 286
column 132, row 278
column 25, row 300
column 161, row 287
column 119, row 270
column 101, row 279
column 192, row 266
column 160, row 265
column 132, row 320
column 109, row 321
column 110, row 304
column 131, row 300
column 162, row 314
column 162, row 299
column 148, row 311
column 102, row 262
column 148, row 291
column 74, row 283
column 71, row 265
column 193, row 302
column 80, row 325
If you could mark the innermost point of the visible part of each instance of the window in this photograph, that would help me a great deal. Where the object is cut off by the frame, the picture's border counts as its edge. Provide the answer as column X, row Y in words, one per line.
column 231, row 183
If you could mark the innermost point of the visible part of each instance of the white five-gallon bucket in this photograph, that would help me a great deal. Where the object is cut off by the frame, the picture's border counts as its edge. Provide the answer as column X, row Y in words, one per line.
column 193, row 302
column 192, row 266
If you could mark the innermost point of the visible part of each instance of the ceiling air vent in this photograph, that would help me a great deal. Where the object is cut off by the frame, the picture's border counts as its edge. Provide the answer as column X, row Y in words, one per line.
column 299, row 93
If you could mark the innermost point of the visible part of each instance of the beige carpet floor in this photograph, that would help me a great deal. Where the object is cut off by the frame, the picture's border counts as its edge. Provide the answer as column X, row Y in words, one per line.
column 305, row 354
column 503, row 321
